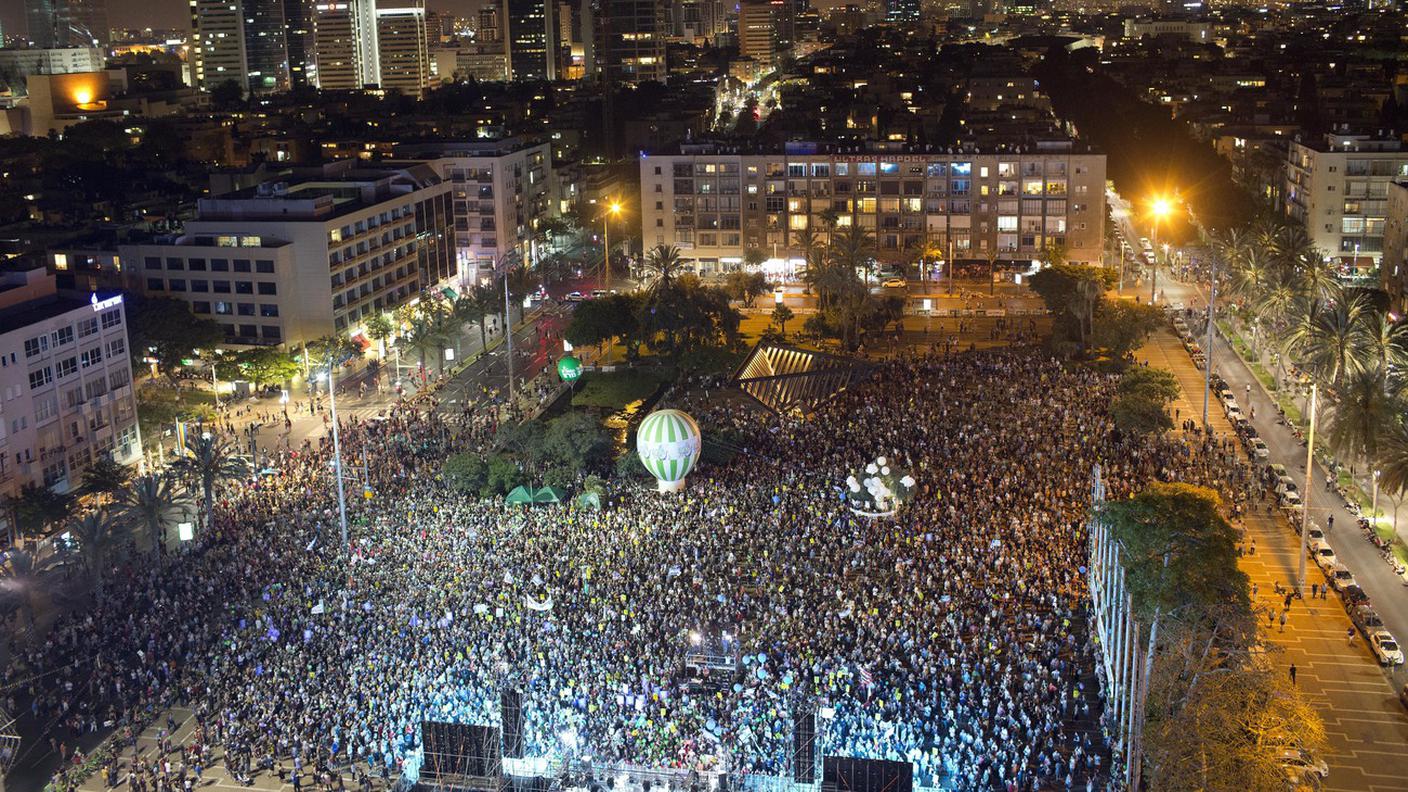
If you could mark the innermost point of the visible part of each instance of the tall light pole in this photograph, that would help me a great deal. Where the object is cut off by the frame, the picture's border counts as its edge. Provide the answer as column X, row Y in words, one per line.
column 1161, row 208
column 612, row 209
column 1305, row 499
column 1207, row 368
column 337, row 454
column 508, row 337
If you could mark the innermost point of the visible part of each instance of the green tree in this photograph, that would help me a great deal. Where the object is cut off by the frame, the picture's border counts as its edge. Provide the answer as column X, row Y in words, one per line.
column 209, row 463
column 1328, row 341
column 503, row 475
column 1072, row 293
column 664, row 262
column 1119, row 327
column 37, row 507
column 486, row 300
column 105, row 477
column 266, row 365
column 746, row 287
column 154, row 503
column 331, row 350
column 597, row 322
column 521, row 283
column 227, row 94
column 22, row 579
column 167, row 330
column 753, row 258
column 1358, row 414
column 466, row 473
column 781, row 315
column 577, row 442
column 98, row 538
column 1140, row 404
column 379, row 329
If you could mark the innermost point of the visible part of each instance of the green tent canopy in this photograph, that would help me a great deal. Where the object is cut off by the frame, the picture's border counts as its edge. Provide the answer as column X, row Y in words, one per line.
column 549, row 495
column 520, row 494
column 589, row 500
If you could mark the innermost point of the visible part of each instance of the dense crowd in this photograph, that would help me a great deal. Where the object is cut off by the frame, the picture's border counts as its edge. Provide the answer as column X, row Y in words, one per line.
column 952, row 636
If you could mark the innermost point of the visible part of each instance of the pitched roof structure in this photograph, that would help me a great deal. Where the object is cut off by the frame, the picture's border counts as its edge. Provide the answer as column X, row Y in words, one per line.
column 796, row 382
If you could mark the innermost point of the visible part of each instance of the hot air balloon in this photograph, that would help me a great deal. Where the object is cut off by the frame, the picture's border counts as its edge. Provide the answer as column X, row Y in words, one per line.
column 668, row 443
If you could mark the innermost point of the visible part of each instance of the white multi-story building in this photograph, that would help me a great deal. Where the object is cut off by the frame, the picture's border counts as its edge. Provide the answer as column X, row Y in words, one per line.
column 402, row 46
column 714, row 203
column 1393, row 269
column 1337, row 188
column 18, row 63
column 344, row 45
column 502, row 192
column 66, row 380
column 290, row 262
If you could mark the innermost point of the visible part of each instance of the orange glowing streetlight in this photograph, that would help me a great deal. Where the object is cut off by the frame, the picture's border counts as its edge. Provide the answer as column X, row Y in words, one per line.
column 1160, row 207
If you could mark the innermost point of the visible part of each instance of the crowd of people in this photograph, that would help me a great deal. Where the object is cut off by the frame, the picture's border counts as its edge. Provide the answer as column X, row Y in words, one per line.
column 952, row 635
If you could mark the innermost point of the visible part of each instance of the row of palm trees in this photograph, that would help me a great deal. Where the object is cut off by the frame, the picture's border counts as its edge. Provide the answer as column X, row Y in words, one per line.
column 1344, row 339
column 435, row 323
column 124, row 508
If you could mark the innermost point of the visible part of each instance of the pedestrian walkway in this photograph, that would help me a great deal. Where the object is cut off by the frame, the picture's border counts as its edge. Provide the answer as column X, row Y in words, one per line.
column 1366, row 725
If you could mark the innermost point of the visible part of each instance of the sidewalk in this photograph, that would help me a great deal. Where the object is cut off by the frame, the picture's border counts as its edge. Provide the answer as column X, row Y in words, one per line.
column 1366, row 725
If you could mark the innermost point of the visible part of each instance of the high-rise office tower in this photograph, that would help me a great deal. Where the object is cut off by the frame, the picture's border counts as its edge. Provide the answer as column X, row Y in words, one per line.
column 298, row 36
column 530, row 39
column 58, row 24
column 402, row 46
column 757, row 31
column 630, row 41
column 488, row 30
column 344, row 45
column 243, row 41
column 697, row 19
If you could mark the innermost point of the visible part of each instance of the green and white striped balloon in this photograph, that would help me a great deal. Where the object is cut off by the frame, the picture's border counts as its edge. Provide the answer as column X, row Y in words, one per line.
column 668, row 444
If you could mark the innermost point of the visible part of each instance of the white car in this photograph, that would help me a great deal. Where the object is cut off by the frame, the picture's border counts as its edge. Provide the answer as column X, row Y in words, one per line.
column 1340, row 577
column 1299, row 765
column 894, row 283
column 1258, row 448
column 1385, row 648
column 1234, row 412
column 575, row 296
column 1324, row 555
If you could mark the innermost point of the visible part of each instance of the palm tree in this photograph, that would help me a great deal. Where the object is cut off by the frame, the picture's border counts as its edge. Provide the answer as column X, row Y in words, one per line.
column 782, row 315
column 1393, row 462
column 1329, row 339
column 1358, row 415
column 664, row 262
column 97, row 536
column 424, row 339
column 209, row 462
column 1384, row 342
column 20, row 579
column 153, row 502
column 854, row 249
column 486, row 300
column 105, row 477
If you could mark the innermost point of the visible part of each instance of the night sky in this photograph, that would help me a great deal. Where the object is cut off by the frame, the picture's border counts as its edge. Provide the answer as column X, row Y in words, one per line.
column 165, row 13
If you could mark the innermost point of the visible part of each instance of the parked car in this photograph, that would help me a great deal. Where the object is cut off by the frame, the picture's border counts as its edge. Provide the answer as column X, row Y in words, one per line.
column 1353, row 597
column 575, row 296
column 1302, row 769
column 1290, row 500
column 1324, row 555
column 1366, row 619
column 1258, row 449
column 1385, row 648
column 597, row 294
column 1340, row 577
column 1316, row 535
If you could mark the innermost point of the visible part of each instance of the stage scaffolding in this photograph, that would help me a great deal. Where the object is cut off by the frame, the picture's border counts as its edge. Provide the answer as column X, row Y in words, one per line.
column 1118, row 633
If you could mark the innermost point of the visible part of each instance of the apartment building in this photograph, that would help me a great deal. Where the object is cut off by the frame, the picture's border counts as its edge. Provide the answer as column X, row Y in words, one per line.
column 403, row 49
column 1337, row 187
column 714, row 203
column 66, row 378
column 288, row 262
column 1393, row 269
column 501, row 191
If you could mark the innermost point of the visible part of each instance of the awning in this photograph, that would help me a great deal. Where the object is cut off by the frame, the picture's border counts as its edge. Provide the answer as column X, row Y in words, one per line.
column 361, row 341
column 449, row 294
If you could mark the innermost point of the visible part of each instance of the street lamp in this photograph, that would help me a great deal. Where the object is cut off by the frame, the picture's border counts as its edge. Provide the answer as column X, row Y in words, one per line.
column 331, row 380
column 1159, row 209
column 613, row 209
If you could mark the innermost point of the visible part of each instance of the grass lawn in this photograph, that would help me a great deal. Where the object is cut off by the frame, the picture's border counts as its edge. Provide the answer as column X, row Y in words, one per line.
column 613, row 390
